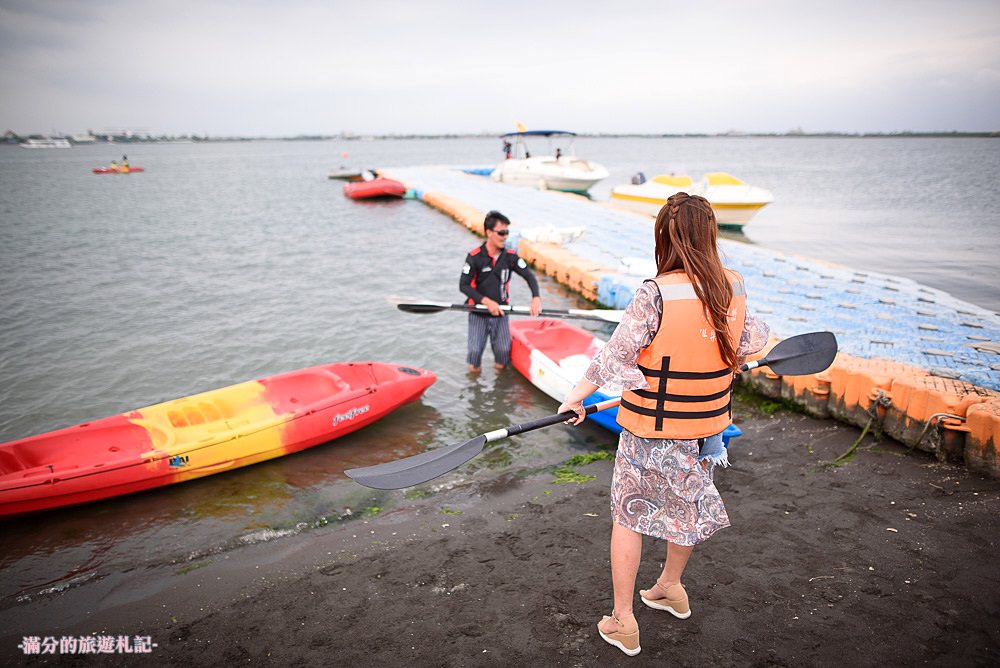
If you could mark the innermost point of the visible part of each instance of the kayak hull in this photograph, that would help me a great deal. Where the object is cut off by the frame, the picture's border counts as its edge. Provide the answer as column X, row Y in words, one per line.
column 553, row 355
column 201, row 435
column 376, row 188
column 117, row 170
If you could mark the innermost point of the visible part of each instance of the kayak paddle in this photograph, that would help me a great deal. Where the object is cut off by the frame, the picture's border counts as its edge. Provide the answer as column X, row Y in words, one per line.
column 604, row 315
column 795, row 356
column 428, row 465
column 799, row 355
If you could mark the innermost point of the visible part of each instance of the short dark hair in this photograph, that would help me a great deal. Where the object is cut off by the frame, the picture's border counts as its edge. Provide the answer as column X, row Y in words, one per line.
column 494, row 217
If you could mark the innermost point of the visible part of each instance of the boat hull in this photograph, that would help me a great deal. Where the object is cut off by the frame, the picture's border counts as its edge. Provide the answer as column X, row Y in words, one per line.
column 553, row 355
column 200, row 435
column 734, row 204
column 353, row 175
column 376, row 188
column 568, row 175
column 46, row 143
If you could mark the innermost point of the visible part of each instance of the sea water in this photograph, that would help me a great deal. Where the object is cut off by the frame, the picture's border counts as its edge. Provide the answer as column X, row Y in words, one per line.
column 225, row 262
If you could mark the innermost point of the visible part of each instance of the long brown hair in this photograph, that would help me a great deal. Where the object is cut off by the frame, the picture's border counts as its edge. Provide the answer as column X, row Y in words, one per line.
column 686, row 238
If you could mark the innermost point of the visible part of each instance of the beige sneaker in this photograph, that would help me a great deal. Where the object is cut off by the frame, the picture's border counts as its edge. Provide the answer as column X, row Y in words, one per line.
column 626, row 638
column 673, row 599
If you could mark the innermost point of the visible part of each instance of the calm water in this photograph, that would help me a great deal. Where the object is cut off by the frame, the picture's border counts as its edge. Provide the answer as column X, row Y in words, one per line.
column 226, row 262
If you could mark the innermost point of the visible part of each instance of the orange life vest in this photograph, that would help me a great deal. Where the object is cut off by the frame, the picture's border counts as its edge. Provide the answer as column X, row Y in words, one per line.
column 690, row 385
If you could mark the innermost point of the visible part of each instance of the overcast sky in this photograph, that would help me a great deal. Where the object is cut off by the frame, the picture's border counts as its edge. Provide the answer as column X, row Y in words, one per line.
column 251, row 67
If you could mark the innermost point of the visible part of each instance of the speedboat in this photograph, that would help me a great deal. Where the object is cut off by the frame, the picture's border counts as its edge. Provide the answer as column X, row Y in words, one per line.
column 559, row 170
column 733, row 201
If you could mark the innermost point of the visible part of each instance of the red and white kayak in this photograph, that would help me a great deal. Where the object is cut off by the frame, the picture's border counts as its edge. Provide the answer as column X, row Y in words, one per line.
column 554, row 355
column 380, row 187
column 117, row 170
column 202, row 434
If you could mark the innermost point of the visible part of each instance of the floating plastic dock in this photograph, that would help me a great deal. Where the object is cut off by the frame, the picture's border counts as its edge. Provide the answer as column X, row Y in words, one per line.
column 915, row 362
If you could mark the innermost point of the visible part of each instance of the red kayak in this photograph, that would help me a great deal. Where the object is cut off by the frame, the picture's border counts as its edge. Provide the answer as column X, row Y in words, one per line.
column 380, row 187
column 554, row 355
column 117, row 170
column 202, row 434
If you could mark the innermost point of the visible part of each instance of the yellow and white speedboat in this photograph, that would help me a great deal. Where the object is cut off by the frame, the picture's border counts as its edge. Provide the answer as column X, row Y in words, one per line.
column 733, row 201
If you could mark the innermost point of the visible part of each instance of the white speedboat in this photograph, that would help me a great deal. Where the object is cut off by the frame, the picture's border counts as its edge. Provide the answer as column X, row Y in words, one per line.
column 46, row 142
column 733, row 201
column 559, row 170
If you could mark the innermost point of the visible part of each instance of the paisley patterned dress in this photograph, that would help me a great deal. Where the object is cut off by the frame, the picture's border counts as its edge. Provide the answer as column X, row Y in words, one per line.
column 659, row 487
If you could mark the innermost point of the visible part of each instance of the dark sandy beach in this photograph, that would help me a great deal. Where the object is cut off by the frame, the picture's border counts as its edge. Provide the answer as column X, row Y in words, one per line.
column 889, row 560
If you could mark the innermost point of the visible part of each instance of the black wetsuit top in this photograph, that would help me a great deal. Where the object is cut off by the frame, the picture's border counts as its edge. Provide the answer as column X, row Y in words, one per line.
column 482, row 276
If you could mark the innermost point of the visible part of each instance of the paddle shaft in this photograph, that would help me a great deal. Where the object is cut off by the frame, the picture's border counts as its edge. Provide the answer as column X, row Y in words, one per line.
column 601, row 315
column 802, row 354
column 428, row 465
column 547, row 421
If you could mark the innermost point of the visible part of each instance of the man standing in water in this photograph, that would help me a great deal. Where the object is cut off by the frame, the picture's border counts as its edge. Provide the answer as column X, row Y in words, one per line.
column 486, row 280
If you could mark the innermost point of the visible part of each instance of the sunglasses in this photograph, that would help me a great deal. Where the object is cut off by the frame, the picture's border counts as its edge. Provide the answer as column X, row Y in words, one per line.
column 501, row 233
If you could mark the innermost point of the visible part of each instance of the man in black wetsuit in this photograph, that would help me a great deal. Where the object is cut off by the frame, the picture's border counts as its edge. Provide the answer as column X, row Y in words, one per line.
column 486, row 280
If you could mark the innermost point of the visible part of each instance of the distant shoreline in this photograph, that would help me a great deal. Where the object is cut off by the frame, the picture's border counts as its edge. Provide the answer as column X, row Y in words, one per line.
column 612, row 135
column 184, row 139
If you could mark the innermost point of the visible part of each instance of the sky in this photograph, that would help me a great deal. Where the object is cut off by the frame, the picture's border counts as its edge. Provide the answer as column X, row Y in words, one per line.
column 305, row 67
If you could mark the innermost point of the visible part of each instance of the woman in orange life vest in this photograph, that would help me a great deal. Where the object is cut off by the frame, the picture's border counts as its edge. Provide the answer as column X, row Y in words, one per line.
column 674, row 355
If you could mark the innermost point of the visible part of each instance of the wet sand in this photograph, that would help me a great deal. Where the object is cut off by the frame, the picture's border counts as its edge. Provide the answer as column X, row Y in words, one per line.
column 890, row 559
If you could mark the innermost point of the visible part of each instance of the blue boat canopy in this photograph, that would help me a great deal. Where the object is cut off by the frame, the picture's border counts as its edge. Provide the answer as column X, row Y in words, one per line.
column 540, row 133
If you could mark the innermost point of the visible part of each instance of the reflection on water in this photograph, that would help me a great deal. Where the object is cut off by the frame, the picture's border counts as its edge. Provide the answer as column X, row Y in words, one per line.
column 734, row 234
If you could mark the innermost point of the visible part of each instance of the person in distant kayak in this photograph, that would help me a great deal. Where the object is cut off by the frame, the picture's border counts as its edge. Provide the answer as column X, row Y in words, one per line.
column 674, row 356
column 124, row 161
column 486, row 280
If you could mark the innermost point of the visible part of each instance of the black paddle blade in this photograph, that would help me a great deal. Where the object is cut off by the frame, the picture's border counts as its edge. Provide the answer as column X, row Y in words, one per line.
column 802, row 354
column 422, row 308
column 417, row 469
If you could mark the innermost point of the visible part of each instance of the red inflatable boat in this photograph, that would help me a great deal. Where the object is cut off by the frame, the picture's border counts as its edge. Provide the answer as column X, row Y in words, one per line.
column 202, row 434
column 380, row 187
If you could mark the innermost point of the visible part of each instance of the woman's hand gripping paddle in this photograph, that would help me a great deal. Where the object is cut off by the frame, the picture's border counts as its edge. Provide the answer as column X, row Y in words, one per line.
column 795, row 356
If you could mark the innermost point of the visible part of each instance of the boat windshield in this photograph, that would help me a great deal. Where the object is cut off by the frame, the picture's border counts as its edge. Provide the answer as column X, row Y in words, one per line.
column 560, row 143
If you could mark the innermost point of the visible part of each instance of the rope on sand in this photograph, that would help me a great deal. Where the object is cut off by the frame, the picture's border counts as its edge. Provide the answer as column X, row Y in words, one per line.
column 851, row 450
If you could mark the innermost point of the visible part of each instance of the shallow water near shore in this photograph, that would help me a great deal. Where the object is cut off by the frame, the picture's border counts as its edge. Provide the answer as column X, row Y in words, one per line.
column 227, row 262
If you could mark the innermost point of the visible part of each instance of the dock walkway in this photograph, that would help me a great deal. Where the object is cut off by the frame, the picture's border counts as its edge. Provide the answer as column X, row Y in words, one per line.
column 913, row 358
